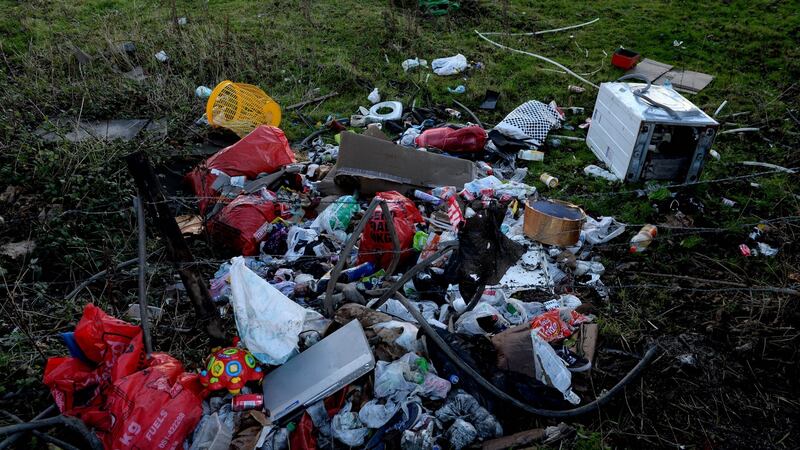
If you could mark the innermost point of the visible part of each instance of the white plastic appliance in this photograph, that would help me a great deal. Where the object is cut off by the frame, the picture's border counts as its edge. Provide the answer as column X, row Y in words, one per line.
column 646, row 132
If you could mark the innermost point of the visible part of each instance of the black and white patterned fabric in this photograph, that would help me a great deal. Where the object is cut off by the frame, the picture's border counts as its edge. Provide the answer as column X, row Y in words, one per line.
column 531, row 121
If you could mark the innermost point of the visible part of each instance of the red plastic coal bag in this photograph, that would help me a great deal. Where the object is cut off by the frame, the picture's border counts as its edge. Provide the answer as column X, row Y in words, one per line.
column 264, row 150
column 157, row 407
column 376, row 240
column 239, row 224
column 105, row 339
column 130, row 401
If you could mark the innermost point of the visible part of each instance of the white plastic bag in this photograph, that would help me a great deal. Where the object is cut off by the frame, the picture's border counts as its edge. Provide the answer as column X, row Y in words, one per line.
column 408, row 339
column 347, row 427
column 435, row 387
column 390, row 382
column 374, row 96
column 468, row 322
column 268, row 322
column 215, row 431
column 296, row 236
column 550, row 369
column 413, row 63
column 393, row 307
column 375, row 414
column 450, row 65
column 602, row 230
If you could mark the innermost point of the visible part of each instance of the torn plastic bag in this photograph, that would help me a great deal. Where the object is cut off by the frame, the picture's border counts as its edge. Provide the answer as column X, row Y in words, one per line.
column 408, row 337
column 421, row 435
column 126, row 391
column 264, row 150
column 390, row 382
column 296, row 240
column 215, row 431
column 468, row 322
column 268, row 322
column 376, row 241
column 241, row 224
column 461, row 405
column 375, row 414
column 435, row 387
column 337, row 216
column 461, row 433
column 601, row 231
column 450, row 65
column 347, row 427
column 531, row 121
column 550, row 369
column 411, row 374
column 428, row 310
column 483, row 251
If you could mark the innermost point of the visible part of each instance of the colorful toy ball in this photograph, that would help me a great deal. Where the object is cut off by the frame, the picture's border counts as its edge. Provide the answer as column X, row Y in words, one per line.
column 230, row 368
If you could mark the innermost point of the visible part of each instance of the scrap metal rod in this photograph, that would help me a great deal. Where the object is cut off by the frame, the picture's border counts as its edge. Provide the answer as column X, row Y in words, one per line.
column 328, row 302
column 178, row 252
column 443, row 248
column 387, row 217
column 143, row 312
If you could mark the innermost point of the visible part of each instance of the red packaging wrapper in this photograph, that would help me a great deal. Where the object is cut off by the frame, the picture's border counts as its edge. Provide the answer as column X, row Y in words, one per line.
column 557, row 324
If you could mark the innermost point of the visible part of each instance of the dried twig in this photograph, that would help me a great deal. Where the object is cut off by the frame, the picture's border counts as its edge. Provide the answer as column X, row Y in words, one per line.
column 777, row 290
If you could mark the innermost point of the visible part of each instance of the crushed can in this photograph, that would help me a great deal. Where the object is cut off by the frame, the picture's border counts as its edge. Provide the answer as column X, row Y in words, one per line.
column 247, row 402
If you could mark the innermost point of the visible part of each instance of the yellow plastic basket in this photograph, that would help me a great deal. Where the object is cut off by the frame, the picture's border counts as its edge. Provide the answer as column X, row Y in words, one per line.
column 241, row 108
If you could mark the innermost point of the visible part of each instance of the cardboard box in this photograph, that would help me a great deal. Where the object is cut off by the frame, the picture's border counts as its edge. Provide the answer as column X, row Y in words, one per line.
column 373, row 165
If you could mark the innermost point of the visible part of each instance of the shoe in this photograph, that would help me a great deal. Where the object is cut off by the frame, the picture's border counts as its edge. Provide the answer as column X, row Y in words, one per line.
column 574, row 362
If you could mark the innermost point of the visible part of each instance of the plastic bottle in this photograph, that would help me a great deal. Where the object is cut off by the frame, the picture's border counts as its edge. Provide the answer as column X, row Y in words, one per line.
column 342, row 212
column 463, row 140
column 425, row 197
column 347, row 276
column 643, row 238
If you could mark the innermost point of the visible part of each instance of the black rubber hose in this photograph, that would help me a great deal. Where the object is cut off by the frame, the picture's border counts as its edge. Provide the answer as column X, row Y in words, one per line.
column 43, row 436
column 70, row 422
column 305, row 142
column 589, row 407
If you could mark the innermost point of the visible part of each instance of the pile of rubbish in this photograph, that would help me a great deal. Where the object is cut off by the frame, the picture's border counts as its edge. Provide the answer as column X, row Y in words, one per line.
column 385, row 292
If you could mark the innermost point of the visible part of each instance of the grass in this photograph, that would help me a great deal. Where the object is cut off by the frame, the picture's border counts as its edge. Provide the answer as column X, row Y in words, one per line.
column 74, row 199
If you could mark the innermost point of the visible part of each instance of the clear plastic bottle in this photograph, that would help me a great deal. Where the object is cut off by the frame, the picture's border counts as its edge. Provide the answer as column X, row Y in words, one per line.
column 643, row 238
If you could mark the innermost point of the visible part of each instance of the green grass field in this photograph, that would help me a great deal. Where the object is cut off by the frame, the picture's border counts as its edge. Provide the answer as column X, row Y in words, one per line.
column 73, row 200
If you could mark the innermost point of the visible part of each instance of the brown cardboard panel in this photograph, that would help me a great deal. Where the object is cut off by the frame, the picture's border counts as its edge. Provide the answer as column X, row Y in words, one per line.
column 373, row 165
column 651, row 69
column 686, row 80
